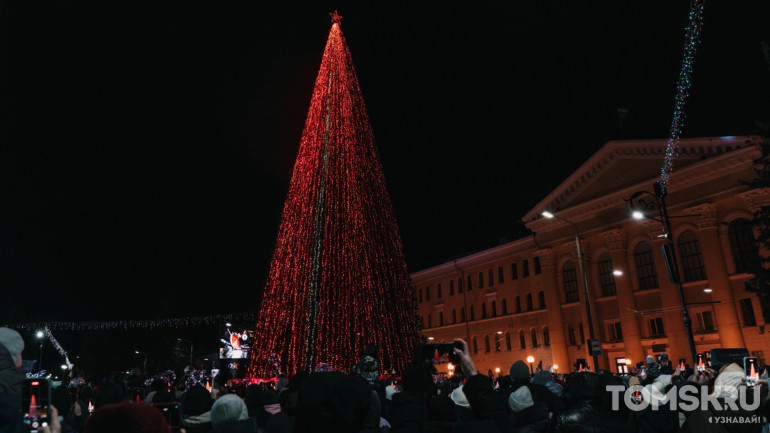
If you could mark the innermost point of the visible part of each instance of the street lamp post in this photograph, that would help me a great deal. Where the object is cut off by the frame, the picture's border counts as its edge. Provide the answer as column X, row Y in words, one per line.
column 640, row 207
column 146, row 373
column 191, row 348
column 585, row 283
column 40, row 335
column 531, row 359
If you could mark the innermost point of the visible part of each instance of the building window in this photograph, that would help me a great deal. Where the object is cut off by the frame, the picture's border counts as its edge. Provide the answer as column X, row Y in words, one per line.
column 508, row 341
column 537, row 265
column 500, row 276
column 459, row 285
column 475, row 346
column 514, row 271
column 529, row 301
column 505, row 307
column 656, row 327
column 429, row 320
column 606, row 279
column 484, row 310
column 494, row 308
column 645, row 266
column 743, row 245
column 692, row 259
column 420, row 295
column 570, row 282
column 462, row 314
column 473, row 315
column 518, row 304
column 427, row 293
column 454, row 316
column 486, row 343
column 440, row 318
column 571, row 335
column 481, row 280
column 438, row 290
column 470, row 283
column 451, row 287
column 533, row 334
column 498, row 337
column 541, row 299
column 525, row 268
column 616, row 331
column 748, row 313
column 546, row 337
column 491, row 276
column 705, row 321
column 522, row 340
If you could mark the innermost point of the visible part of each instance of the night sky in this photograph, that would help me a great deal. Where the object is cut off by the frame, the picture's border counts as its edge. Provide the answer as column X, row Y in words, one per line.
column 147, row 147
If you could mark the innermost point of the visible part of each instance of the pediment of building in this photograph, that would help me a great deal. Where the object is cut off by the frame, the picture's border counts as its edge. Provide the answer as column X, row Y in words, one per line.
column 622, row 164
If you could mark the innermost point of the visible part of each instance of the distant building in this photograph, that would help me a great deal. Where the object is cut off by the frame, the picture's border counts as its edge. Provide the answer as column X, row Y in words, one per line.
column 526, row 297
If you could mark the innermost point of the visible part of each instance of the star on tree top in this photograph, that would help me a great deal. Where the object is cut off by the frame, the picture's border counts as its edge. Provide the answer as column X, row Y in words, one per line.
column 336, row 18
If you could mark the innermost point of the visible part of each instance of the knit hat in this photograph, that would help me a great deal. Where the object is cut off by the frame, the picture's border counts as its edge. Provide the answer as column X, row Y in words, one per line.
column 389, row 391
column 228, row 409
column 12, row 342
column 519, row 370
column 458, row 396
column 650, row 359
column 520, row 399
column 196, row 401
column 127, row 418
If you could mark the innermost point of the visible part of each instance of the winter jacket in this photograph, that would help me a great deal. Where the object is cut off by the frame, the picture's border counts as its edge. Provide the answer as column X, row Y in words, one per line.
column 533, row 419
column 11, row 378
column 486, row 403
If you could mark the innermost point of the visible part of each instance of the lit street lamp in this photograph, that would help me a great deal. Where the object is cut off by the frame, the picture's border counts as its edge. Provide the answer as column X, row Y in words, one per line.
column 530, row 359
column 146, row 373
column 640, row 208
column 585, row 283
column 40, row 334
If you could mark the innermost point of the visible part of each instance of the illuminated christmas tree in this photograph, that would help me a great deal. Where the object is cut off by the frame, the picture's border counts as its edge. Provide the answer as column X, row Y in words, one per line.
column 338, row 280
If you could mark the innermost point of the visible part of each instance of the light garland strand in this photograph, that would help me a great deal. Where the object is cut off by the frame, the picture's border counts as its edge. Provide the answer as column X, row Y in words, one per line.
column 58, row 347
column 692, row 39
column 138, row 324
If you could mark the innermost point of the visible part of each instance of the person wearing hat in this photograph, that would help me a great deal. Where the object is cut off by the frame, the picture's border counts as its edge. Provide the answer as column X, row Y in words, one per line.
column 230, row 414
column 527, row 415
column 11, row 378
column 196, row 410
column 665, row 364
column 520, row 377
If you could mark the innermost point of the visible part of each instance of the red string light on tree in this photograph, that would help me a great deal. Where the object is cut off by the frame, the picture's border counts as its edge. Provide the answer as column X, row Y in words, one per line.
column 338, row 279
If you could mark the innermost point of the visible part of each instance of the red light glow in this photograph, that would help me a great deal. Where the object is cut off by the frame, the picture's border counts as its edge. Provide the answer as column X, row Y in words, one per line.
column 338, row 280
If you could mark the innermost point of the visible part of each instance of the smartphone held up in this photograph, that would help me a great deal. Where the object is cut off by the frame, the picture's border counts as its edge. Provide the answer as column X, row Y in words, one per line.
column 36, row 400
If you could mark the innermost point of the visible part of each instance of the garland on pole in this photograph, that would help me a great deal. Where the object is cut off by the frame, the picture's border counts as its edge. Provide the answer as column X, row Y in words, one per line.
column 137, row 324
column 692, row 39
column 58, row 347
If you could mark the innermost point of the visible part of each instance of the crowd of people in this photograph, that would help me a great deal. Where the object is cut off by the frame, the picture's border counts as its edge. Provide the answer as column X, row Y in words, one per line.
column 419, row 400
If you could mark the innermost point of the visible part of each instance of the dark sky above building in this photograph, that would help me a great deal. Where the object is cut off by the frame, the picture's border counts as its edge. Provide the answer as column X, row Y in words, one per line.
column 147, row 147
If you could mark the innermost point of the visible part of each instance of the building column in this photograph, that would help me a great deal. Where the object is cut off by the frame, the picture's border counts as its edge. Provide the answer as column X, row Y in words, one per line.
column 553, row 308
column 730, row 334
column 673, row 323
column 632, row 338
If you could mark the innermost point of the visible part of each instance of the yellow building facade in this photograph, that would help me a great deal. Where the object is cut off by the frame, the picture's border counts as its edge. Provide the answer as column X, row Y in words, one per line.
column 526, row 297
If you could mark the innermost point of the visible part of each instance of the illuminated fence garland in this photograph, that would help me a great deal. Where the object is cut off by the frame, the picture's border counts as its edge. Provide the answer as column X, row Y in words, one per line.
column 692, row 39
column 138, row 324
column 338, row 279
